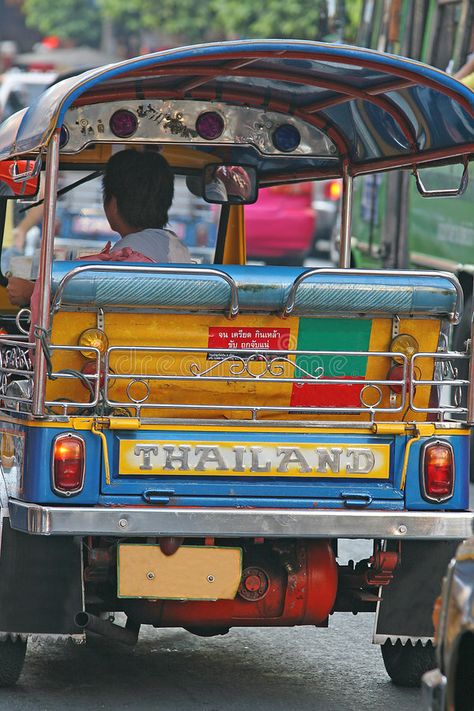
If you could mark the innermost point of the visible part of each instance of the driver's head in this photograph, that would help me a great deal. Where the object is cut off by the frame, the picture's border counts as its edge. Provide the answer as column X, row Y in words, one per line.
column 138, row 189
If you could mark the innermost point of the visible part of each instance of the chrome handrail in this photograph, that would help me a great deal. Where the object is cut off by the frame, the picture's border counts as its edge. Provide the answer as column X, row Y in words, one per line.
column 269, row 359
column 330, row 271
column 181, row 271
column 470, row 392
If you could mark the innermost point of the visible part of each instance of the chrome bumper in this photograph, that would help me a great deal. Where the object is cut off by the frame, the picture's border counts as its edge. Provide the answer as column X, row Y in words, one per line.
column 434, row 691
column 236, row 523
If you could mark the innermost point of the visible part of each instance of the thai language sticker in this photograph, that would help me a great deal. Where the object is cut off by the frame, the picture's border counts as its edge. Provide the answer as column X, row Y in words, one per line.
column 247, row 339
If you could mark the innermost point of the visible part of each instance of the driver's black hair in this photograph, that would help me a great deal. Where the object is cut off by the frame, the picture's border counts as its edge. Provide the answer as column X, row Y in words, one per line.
column 142, row 184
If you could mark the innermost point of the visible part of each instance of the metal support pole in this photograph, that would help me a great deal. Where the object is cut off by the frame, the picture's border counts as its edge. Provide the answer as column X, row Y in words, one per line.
column 44, row 275
column 346, row 219
column 470, row 391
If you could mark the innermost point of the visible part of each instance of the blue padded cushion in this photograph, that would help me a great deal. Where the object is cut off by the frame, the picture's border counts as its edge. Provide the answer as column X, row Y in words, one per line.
column 261, row 288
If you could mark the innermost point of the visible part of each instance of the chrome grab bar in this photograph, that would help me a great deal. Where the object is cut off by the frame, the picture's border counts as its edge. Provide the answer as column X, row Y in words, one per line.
column 181, row 271
column 470, row 392
column 446, row 192
column 329, row 271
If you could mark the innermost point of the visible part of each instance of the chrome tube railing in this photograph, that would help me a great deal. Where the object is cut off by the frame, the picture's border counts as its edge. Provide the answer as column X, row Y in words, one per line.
column 233, row 308
column 17, row 377
column 139, row 371
column 470, row 392
column 329, row 271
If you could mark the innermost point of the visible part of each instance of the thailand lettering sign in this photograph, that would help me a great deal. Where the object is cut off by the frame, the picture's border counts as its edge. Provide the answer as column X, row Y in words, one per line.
column 178, row 458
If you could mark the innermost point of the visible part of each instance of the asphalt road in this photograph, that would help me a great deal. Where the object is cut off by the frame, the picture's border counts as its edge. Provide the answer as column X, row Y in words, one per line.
column 299, row 668
column 305, row 669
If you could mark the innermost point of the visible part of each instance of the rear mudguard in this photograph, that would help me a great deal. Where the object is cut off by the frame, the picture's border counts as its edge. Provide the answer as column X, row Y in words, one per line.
column 405, row 609
column 40, row 583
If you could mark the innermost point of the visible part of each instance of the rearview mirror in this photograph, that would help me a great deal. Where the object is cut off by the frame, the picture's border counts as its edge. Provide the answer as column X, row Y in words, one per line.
column 230, row 184
column 18, row 179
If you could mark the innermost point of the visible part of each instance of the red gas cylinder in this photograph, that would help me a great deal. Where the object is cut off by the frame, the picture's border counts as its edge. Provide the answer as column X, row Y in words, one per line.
column 272, row 592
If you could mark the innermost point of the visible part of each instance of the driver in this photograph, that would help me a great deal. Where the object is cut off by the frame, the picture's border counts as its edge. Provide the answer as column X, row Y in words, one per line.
column 137, row 193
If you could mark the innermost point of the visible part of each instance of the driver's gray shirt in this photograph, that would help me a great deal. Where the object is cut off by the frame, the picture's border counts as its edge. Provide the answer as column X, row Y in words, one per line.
column 158, row 245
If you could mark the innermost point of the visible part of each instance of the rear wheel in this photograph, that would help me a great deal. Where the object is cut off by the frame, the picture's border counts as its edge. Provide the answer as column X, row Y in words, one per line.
column 12, row 657
column 406, row 664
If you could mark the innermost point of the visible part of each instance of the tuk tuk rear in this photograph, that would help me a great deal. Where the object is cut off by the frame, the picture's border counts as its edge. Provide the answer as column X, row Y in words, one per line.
column 187, row 443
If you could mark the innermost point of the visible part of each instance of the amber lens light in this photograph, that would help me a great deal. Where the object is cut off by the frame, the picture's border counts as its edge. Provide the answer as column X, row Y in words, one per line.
column 405, row 344
column 438, row 471
column 68, row 464
column 93, row 338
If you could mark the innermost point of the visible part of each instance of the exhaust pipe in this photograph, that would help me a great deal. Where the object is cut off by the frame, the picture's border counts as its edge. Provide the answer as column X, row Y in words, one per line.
column 91, row 623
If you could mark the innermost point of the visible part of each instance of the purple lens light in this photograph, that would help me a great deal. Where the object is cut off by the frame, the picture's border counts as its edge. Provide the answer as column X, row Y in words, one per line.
column 210, row 125
column 123, row 123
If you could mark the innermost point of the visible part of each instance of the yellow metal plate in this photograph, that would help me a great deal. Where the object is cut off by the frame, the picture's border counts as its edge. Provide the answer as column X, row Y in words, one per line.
column 192, row 573
column 262, row 459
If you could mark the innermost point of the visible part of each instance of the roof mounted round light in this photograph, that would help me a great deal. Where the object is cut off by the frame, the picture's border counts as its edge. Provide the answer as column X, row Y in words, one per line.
column 123, row 123
column 63, row 136
column 210, row 125
column 286, row 137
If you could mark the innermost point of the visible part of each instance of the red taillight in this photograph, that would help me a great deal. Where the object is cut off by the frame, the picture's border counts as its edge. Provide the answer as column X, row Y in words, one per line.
column 438, row 471
column 333, row 190
column 68, row 464
column 396, row 373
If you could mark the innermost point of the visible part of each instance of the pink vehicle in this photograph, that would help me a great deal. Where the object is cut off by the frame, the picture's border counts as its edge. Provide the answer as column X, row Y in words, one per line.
column 280, row 226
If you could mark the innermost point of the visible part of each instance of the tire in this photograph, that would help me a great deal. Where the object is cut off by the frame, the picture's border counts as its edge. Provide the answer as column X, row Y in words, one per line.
column 406, row 664
column 12, row 657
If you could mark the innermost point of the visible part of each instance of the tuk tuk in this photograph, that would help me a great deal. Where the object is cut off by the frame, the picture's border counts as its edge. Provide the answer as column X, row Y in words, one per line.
column 187, row 443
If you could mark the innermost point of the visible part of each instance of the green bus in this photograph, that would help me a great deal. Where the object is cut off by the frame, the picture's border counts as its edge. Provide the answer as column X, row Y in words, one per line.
column 393, row 226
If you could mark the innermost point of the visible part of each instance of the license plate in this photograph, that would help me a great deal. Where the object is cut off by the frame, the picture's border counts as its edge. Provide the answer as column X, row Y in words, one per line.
column 262, row 459
column 191, row 573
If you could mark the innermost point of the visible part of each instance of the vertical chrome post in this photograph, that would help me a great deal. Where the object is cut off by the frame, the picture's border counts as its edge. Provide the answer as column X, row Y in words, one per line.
column 44, row 274
column 346, row 219
column 470, row 389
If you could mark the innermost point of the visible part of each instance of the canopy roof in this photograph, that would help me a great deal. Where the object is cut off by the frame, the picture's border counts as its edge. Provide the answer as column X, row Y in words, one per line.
column 379, row 110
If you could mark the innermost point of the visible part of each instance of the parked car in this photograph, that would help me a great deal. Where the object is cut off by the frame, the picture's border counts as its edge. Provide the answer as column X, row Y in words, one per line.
column 309, row 210
column 450, row 687
column 280, row 226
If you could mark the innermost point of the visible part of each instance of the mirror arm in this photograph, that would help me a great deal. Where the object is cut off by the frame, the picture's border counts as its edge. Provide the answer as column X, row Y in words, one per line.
column 449, row 192
column 221, row 234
